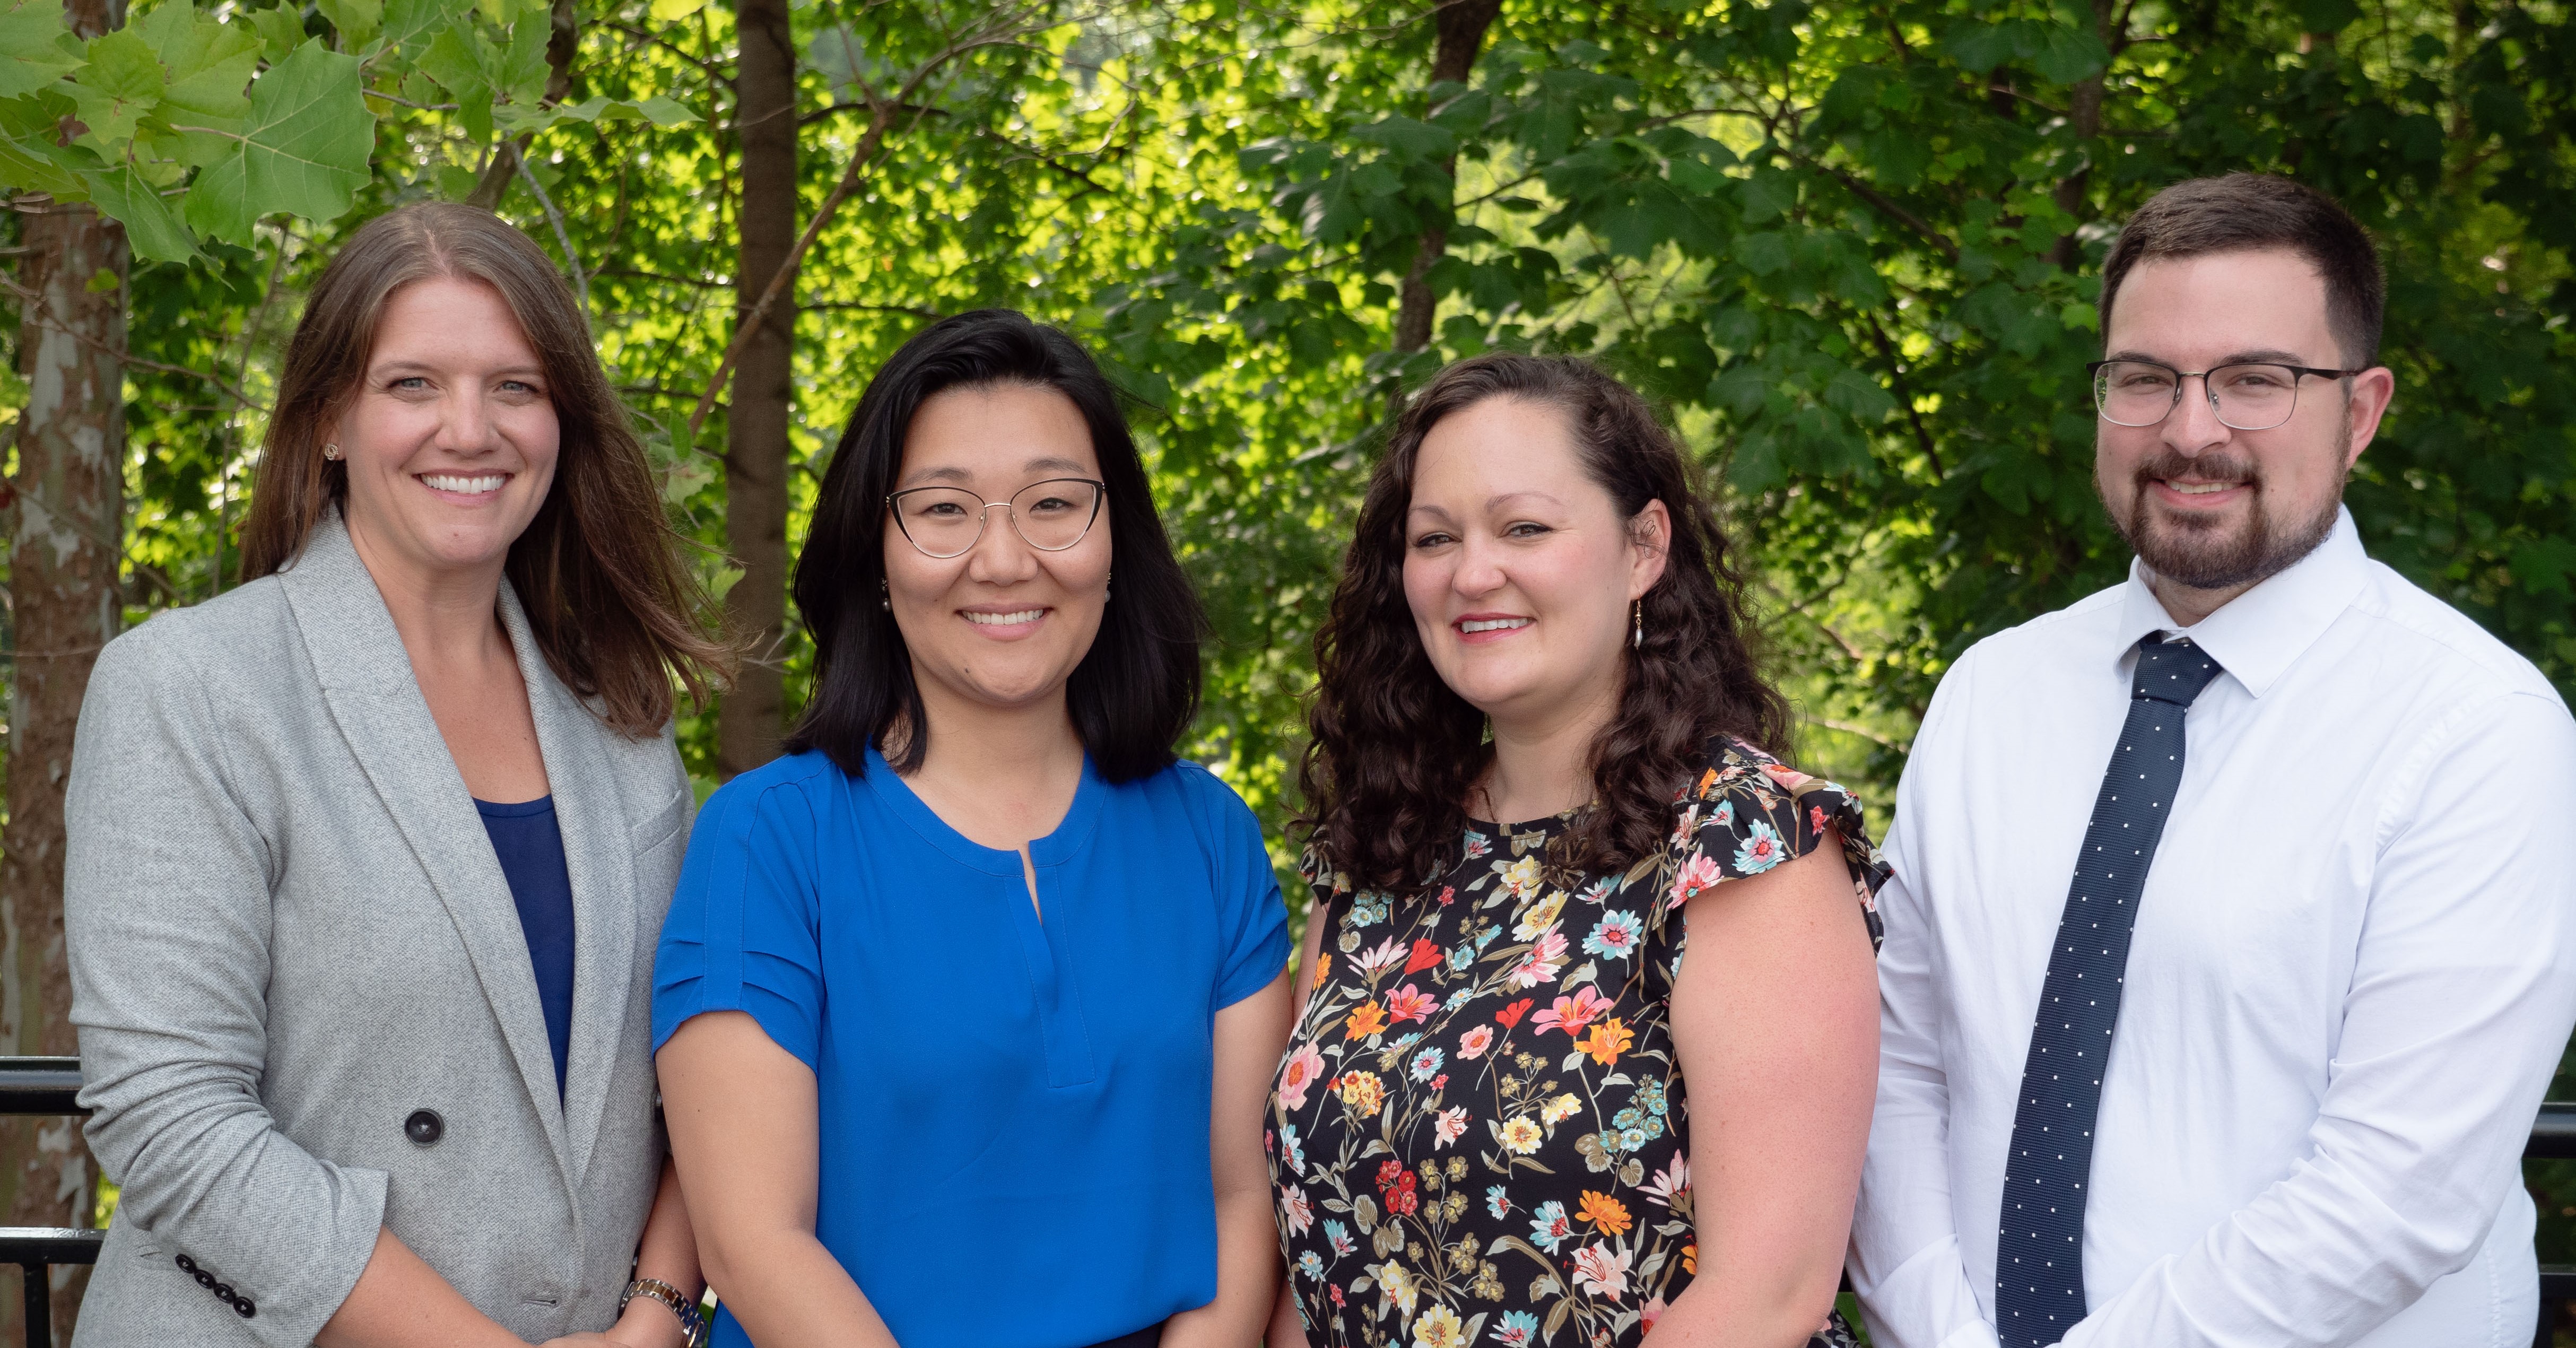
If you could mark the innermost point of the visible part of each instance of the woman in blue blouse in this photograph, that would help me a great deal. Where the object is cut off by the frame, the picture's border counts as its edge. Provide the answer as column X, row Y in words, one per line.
column 966, row 1009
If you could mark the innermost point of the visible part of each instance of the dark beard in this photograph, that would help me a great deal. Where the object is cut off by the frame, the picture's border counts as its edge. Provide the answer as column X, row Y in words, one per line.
column 2197, row 553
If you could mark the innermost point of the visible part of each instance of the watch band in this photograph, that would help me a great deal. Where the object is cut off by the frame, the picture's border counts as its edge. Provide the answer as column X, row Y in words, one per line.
column 692, row 1324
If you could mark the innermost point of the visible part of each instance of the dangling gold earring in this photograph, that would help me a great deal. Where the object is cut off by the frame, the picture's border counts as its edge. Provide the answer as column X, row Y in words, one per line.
column 1637, row 634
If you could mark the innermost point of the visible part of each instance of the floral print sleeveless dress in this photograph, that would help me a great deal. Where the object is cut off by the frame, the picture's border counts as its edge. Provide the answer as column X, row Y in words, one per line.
column 1480, row 1134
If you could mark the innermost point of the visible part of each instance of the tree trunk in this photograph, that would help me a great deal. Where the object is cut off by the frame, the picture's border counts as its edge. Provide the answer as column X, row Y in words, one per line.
column 2084, row 117
column 1461, row 26
column 750, row 721
column 66, row 602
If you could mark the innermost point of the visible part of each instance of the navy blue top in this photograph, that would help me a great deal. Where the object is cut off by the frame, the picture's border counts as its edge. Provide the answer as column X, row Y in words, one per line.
column 1013, row 1107
column 530, row 845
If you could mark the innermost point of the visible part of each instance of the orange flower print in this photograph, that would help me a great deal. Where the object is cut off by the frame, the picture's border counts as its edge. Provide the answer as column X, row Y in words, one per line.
column 1607, row 1214
column 1363, row 1093
column 1410, row 1003
column 1690, row 1260
column 1323, row 966
column 1367, row 1020
column 1607, row 1041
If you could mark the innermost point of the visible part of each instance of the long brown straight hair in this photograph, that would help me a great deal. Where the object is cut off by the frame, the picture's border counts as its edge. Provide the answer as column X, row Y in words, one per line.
column 615, row 611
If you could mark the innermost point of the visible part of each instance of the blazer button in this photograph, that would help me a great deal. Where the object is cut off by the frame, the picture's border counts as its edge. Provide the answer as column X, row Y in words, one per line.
column 424, row 1127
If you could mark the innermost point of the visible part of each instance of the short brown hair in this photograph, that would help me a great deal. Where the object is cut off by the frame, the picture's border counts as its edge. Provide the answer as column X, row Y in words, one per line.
column 598, row 570
column 2244, row 211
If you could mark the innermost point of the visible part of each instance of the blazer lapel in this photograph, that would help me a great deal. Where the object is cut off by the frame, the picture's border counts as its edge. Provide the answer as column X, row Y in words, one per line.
column 367, row 682
column 597, row 855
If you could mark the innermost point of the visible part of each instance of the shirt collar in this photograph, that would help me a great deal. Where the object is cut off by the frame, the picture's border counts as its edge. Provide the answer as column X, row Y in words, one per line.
column 2257, row 635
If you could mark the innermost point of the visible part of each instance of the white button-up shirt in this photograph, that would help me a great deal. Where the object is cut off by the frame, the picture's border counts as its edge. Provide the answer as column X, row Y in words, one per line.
column 2351, row 980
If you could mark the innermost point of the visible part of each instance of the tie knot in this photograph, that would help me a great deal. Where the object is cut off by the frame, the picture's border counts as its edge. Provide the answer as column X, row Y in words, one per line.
column 2172, row 671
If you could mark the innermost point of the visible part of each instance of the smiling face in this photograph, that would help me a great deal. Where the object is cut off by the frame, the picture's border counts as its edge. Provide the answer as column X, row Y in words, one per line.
column 1004, row 624
column 2207, row 506
column 1519, row 567
column 450, row 437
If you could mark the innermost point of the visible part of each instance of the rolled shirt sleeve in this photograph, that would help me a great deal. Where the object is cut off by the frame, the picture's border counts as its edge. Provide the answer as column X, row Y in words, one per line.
column 166, row 908
column 1252, row 917
column 743, row 931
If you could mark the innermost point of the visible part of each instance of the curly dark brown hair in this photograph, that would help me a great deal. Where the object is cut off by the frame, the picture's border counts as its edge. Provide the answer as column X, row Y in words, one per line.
column 1394, row 751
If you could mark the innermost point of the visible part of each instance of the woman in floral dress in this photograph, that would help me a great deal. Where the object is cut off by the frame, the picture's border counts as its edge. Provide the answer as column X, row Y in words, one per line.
column 1481, row 1132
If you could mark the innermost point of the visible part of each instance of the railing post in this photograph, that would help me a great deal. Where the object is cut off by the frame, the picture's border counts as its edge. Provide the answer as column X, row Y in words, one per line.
column 36, row 1280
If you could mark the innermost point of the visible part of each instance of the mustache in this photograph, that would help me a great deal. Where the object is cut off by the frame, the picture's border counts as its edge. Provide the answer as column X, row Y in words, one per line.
column 2214, row 466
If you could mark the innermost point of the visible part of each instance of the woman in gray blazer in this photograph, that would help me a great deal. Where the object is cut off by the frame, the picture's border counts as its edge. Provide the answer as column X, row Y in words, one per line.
column 367, row 856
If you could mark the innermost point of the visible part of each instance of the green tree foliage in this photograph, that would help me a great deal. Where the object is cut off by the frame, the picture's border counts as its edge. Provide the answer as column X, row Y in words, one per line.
column 1853, row 249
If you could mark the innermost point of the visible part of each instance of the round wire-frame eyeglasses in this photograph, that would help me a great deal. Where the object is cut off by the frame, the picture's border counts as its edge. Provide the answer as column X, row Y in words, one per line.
column 1050, row 515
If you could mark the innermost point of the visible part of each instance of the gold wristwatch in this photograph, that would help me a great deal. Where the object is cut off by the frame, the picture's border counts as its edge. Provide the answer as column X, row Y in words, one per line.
column 692, row 1324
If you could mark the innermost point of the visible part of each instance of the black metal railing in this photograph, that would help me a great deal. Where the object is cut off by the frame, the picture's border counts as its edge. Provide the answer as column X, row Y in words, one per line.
column 2553, row 1138
column 50, row 1086
column 42, row 1086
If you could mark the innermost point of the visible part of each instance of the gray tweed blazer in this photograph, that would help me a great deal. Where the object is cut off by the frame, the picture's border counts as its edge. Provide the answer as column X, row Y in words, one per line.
column 305, row 1005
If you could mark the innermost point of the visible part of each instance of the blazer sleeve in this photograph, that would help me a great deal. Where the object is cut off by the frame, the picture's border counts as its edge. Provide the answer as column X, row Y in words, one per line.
column 166, row 908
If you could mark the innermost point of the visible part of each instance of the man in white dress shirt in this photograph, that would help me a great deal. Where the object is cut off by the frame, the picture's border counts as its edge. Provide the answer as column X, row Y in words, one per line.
column 2333, row 990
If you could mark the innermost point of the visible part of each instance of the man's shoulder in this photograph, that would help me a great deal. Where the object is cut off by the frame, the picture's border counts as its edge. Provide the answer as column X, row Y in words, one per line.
column 2070, row 632
column 2466, row 656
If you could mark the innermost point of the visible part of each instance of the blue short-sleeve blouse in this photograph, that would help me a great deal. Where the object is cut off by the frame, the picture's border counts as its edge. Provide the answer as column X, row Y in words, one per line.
column 1013, row 1108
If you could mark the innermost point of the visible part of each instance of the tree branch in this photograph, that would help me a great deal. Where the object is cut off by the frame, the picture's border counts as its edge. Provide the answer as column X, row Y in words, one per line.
column 1001, row 34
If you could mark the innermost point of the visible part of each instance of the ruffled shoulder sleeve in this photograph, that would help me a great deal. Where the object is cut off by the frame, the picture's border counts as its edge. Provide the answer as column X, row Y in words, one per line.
column 1747, row 813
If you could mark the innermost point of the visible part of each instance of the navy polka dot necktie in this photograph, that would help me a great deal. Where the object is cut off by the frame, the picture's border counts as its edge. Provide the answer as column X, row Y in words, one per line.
column 2039, row 1257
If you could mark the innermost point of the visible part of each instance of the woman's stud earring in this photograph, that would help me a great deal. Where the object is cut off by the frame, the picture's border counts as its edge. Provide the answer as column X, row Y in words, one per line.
column 331, row 452
column 1637, row 634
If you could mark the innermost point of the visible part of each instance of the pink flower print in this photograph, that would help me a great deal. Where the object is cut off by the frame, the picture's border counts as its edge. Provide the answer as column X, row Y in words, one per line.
column 1303, row 1068
column 1602, row 1271
column 1789, row 778
column 1818, row 820
column 1448, row 895
column 1380, row 957
column 1670, row 1183
column 1294, row 1209
column 1545, row 960
column 1410, row 1003
column 1473, row 1043
column 1654, row 1310
column 1449, row 1126
column 1571, row 1013
column 1698, row 874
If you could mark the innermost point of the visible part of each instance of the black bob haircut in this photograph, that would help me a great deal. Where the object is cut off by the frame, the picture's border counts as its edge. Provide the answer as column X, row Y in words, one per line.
column 1136, row 689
